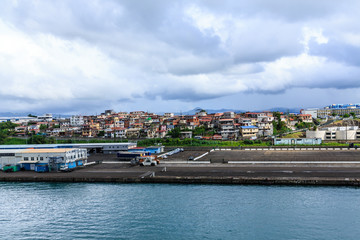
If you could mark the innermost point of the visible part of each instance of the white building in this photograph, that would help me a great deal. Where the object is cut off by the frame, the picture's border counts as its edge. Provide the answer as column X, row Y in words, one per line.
column 335, row 133
column 47, row 117
column 76, row 120
column 168, row 115
column 312, row 111
column 29, row 158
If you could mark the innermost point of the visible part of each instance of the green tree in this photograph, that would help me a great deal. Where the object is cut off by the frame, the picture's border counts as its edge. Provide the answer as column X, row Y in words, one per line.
column 346, row 115
column 278, row 125
column 175, row 133
column 43, row 127
column 3, row 136
column 8, row 125
column 302, row 125
column 101, row 133
column 199, row 131
column 353, row 114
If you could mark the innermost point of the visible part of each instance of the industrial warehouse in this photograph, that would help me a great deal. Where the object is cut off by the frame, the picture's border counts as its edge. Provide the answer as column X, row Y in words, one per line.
column 42, row 160
column 53, row 157
column 106, row 148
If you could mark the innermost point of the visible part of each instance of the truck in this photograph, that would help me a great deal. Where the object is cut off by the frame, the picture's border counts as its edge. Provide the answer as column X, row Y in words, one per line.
column 148, row 161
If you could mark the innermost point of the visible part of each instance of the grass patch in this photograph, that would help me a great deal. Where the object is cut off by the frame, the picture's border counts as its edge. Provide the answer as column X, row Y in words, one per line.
column 14, row 141
column 294, row 135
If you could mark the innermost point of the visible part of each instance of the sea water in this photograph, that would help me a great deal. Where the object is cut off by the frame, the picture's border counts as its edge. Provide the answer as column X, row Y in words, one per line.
column 163, row 211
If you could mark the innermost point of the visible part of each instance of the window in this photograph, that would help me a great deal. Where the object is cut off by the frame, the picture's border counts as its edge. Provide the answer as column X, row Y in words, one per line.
column 26, row 159
column 32, row 158
column 41, row 158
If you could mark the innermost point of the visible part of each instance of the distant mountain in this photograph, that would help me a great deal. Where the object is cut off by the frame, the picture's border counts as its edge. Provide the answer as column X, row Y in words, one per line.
column 11, row 114
column 279, row 109
column 290, row 110
column 195, row 110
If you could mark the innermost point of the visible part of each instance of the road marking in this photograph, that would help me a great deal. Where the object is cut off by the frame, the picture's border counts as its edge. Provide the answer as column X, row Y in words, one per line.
column 294, row 162
column 147, row 174
column 181, row 162
column 122, row 162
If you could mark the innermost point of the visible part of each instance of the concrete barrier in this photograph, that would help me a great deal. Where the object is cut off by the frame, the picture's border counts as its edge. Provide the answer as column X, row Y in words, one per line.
column 201, row 156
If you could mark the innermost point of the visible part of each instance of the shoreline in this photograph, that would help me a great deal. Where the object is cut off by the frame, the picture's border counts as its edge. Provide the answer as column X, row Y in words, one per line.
column 297, row 181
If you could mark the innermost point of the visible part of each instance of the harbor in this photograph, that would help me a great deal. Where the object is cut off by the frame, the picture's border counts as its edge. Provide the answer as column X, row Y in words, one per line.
column 310, row 167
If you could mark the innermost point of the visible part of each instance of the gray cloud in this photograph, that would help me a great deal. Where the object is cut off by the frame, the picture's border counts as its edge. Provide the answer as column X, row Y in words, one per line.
column 73, row 55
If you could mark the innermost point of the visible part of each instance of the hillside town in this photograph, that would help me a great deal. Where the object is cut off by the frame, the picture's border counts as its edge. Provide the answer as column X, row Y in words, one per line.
column 201, row 125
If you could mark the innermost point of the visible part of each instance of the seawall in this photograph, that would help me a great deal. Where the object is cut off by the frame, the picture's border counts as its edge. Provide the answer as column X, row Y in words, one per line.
column 193, row 180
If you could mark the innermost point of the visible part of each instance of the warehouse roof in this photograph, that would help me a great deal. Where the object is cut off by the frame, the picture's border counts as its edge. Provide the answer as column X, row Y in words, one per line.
column 52, row 150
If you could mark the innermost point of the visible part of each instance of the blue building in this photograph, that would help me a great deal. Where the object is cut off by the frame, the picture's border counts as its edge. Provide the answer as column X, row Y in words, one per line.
column 151, row 150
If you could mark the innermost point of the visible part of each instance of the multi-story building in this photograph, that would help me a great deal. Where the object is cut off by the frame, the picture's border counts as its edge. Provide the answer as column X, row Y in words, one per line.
column 77, row 120
column 227, row 129
column 249, row 131
column 265, row 128
column 335, row 133
column 307, row 118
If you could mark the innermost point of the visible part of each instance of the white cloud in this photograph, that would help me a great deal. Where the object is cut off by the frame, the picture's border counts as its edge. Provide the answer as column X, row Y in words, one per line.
column 316, row 34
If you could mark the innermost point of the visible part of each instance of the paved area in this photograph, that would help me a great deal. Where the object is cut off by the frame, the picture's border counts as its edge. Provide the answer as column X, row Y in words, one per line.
column 242, row 155
column 215, row 170
column 339, row 165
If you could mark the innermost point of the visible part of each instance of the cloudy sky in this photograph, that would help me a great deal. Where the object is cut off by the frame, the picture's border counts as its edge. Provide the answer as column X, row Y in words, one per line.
column 84, row 56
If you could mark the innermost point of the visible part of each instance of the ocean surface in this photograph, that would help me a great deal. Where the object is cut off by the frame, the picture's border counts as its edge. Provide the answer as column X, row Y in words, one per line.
column 161, row 211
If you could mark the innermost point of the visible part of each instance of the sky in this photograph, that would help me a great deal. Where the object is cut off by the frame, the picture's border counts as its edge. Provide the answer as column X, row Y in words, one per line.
column 85, row 56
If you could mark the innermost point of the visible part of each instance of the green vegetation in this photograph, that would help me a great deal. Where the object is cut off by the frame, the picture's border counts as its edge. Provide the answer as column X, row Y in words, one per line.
column 303, row 125
column 336, row 144
column 199, row 142
column 14, row 141
column 279, row 126
column 31, row 123
column 346, row 115
column 199, row 131
column 174, row 133
column 6, row 129
column 294, row 135
column 37, row 139
column 40, row 139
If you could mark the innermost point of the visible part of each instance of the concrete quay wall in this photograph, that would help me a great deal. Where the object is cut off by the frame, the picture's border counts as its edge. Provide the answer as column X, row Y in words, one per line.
column 196, row 180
